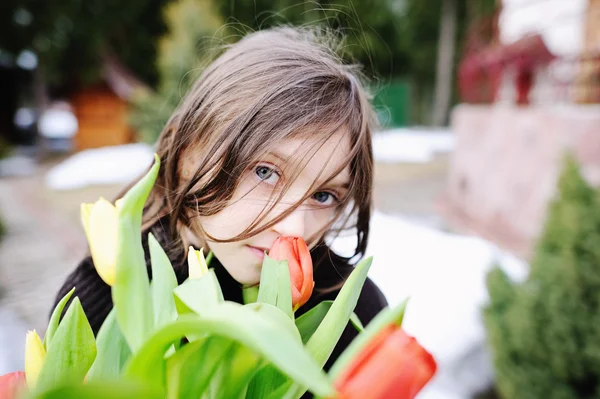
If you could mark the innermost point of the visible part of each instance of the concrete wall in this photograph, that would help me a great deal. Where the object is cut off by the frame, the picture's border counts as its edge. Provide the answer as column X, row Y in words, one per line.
column 506, row 163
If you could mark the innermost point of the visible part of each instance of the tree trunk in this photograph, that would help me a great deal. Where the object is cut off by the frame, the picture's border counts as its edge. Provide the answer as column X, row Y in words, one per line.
column 445, row 61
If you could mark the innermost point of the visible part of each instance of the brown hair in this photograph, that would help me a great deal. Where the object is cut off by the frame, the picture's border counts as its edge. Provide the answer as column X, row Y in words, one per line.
column 269, row 86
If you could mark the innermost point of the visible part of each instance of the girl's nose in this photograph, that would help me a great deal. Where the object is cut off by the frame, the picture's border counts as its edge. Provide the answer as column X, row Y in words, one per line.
column 293, row 225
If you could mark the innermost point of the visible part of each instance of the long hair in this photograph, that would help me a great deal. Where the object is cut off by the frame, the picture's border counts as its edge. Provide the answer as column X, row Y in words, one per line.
column 270, row 86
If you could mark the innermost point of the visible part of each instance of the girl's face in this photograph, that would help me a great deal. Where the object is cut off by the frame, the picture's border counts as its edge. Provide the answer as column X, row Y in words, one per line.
column 260, row 184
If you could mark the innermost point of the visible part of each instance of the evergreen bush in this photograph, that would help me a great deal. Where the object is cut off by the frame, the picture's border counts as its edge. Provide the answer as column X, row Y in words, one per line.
column 545, row 332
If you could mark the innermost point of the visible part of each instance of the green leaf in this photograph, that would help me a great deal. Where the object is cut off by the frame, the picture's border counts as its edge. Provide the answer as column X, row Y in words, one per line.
column 356, row 323
column 100, row 390
column 196, row 295
column 275, row 285
column 55, row 318
column 284, row 296
column 386, row 317
column 268, row 378
column 267, row 292
column 322, row 342
column 131, row 291
column 209, row 258
column 308, row 323
column 163, row 283
column 243, row 326
column 277, row 316
column 72, row 351
column 134, row 200
column 113, row 351
column 250, row 294
column 235, row 373
column 283, row 392
column 190, row 370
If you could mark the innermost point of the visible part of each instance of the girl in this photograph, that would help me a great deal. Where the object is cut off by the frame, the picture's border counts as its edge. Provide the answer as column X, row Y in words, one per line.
column 274, row 139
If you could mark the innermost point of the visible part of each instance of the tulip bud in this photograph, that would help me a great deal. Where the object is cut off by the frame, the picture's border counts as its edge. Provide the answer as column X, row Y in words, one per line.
column 12, row 384
column 100, row 222
column 295, row 251
column 34, row 357
column 392, row 365
column 196, row 263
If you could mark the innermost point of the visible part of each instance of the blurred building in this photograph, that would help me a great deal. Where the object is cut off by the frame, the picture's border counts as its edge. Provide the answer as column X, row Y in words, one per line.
column 530, row 85
column 102, row 109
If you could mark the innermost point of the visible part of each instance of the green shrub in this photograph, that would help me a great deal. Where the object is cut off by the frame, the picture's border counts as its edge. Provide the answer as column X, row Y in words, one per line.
column 195, row 29
column 545, row 333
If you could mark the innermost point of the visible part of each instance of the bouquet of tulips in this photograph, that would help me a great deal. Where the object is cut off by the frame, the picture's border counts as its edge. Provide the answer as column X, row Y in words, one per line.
column 164, row 340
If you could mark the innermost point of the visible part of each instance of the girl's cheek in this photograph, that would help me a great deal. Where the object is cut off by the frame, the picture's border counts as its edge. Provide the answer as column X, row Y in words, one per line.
column 319, row 218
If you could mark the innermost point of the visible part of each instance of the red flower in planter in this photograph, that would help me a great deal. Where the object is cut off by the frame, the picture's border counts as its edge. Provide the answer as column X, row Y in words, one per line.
column 392, row 366
column 295, row 251
column 12, row 384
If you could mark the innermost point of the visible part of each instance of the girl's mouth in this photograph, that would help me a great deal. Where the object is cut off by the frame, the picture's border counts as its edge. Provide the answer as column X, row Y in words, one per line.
column 258, row 252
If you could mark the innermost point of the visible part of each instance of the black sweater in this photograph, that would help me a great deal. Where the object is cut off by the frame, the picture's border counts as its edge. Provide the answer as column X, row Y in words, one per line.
column 329, row 269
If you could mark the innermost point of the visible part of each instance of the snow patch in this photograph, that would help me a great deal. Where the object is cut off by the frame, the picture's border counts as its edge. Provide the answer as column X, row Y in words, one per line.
column 107, row 165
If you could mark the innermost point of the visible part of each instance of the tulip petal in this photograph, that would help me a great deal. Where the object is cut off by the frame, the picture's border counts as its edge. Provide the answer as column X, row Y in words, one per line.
column 34, row 357
column 12, row 384
column 398, row 365
column 196, row 263
column 295, row 251
column 307, row 272
column 102, row 237
column 387, row 316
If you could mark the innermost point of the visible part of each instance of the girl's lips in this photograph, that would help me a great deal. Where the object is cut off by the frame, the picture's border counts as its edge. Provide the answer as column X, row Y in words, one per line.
column 258, row 252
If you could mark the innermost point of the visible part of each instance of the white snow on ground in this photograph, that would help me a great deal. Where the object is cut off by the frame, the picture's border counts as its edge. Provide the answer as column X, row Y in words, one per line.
column 411, row 145
column 444, row 276
column 107, row 165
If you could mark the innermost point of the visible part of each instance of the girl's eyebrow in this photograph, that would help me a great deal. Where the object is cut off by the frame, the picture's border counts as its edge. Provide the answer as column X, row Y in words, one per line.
column 344, row 185
column 334, row 182
column 282, row 157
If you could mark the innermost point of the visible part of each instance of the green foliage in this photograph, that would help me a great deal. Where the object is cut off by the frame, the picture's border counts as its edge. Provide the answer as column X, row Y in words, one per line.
column 70, row 36
column 194, row 30
column 370, row 28
column 71, row 352
column 545, row 332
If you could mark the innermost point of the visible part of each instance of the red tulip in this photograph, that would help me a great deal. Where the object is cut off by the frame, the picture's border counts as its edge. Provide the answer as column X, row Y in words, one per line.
column 295, row 251
column 12, row 384
column 392, row 366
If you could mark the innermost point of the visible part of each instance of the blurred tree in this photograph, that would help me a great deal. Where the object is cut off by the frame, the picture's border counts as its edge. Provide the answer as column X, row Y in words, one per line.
column 69, row 37
column 420, row 26
column 545, row 332
column 372, row 35
column 445, row 62
column 194, row 34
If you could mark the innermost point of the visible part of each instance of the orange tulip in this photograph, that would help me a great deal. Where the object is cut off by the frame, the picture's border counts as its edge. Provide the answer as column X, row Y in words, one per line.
column 392, row 366
column 295, row 251
column 12, row 384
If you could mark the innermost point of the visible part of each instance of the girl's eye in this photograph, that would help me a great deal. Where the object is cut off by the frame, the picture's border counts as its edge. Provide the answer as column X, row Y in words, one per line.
column 324, row 198
column 266, row 174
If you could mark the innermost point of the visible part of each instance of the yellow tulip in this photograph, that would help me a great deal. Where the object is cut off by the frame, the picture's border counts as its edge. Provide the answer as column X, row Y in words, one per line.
column 196, row 263
column 100, row 222
column 34, row 357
